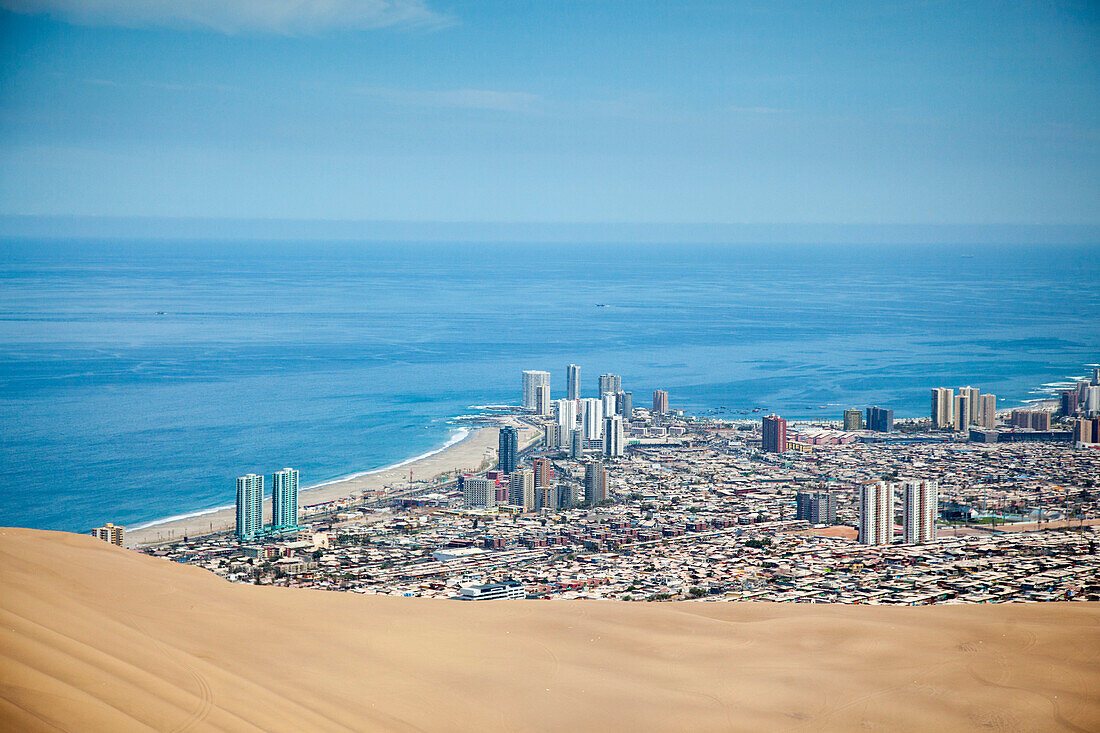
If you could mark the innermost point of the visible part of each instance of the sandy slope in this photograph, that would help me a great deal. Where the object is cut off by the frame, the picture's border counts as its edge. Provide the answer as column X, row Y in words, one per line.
column 93, row 637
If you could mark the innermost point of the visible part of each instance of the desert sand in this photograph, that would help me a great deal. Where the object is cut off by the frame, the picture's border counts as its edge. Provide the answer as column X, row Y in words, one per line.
column 475, row 452
column 94, row 637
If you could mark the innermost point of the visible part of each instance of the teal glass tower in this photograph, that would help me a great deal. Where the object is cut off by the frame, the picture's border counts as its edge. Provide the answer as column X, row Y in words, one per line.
column 284, row 499
column 250, row 507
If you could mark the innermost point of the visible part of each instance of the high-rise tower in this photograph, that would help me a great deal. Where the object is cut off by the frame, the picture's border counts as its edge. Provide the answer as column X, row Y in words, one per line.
column 876, row 513
column 507, row 449
column 853, row 419
column 610, row 384
column 880, row 419
column 774, row 429
column 595, row 483
column 573, row 383
column 919, row 507
column 592, row 418
column 962, row 411
column 987, row 411
column 943, row 408
column 531, row 380
column 250, row 507
column 542, row 400
column 521, row 489
column 614, row 438
column 284, row 498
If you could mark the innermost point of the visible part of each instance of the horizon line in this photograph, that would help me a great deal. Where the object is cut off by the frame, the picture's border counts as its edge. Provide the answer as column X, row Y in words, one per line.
column 56, row 226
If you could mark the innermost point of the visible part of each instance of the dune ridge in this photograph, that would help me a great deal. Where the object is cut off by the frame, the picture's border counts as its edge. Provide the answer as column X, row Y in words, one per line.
column 94, row 637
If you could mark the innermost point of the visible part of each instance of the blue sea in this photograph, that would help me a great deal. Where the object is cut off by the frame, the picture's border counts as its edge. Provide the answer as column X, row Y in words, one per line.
column 138, row 379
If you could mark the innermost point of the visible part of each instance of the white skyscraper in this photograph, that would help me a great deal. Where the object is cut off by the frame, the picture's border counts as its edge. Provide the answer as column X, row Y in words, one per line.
column 573, row 383
column 1092, row 401
column 479, row 492
column 614, row 438
column 542, row 399
column 250, row 506
column 609, row 401
column 876, row 513
column 531, row 380
column 919, row 509
column 567, row 415
column 592, row 418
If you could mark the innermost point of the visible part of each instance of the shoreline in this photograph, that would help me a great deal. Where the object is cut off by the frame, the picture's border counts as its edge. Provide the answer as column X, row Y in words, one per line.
column 473, row 451
column 466, row 432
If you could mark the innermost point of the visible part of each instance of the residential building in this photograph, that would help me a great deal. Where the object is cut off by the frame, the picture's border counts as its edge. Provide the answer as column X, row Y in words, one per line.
column 109, row 533
column 521, row 489
column 567, row 415
column 1069, row 402
column 876, row 513
column 551, row 435
column 250, row 507
column 816, row 507
column 774, row 429
column 532, row 379
column 987, row 411
column 624, row 404
column 564, row 495
column 479, row 492
column 660, row 402
column 962, row 411
column 610, row 384
column 880, row 419
column 614, row 437
column 919, row 511
column 573, row 382
column 592, row 418
column 542, row 400
column 943, row 408
column 543, row 471
column 595, row 483
column 508, row 449
column 975, row 406
column 609, row 404
column 853, row 420
column 284, row 499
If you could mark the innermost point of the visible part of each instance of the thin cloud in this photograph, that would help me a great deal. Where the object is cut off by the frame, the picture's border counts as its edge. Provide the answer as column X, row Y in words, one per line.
column 282, row 17
column 485, row 99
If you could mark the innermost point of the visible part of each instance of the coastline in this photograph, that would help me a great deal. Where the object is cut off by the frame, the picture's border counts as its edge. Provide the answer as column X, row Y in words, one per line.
column 472, row 452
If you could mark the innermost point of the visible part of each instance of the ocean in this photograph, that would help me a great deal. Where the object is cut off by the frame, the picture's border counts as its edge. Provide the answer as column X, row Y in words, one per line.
column 138, row 379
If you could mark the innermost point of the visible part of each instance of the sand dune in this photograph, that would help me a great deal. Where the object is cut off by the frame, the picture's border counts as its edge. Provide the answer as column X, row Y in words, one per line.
column 93, row 637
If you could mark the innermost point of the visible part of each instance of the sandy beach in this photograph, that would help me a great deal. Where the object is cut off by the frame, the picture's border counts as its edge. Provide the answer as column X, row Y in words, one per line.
column 475, row 452
column 94, row 637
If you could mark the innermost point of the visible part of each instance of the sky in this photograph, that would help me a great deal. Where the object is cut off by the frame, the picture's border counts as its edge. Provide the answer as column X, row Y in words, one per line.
column 923, row 112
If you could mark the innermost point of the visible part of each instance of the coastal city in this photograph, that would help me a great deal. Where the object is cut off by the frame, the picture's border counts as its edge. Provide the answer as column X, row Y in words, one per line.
column 596, row 497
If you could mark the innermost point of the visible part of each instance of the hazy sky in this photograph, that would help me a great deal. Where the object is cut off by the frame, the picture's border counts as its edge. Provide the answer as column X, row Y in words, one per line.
column 913, row 112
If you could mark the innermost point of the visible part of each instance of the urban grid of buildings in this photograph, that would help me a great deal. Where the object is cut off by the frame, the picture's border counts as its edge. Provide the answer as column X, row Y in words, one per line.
column 592, row 497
